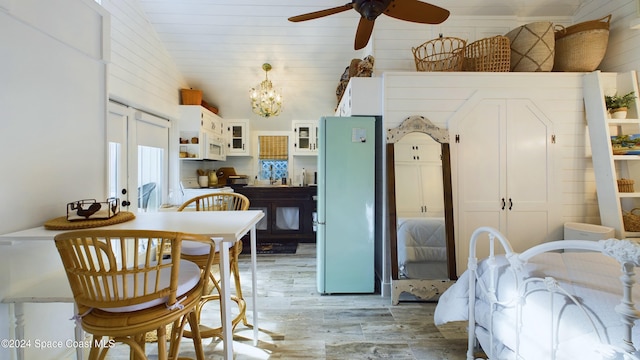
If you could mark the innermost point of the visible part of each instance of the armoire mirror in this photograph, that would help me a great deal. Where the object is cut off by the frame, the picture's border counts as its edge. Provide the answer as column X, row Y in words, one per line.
column 422, row 247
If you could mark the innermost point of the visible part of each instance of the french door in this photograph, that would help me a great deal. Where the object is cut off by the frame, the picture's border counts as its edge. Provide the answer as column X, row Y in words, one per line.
column 137, row 158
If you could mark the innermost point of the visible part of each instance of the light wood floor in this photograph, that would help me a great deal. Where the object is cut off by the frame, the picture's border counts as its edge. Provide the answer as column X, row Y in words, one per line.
column 298, row 323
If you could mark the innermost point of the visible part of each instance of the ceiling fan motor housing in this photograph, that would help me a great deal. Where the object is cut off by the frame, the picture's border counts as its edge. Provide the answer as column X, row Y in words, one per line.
column 371, row 9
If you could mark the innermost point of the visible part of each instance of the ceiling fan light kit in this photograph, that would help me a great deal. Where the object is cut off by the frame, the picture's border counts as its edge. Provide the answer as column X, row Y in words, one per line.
column 407, row 10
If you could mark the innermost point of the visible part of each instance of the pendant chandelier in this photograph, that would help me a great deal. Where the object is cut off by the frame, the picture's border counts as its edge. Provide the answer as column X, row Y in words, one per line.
column 265, row 100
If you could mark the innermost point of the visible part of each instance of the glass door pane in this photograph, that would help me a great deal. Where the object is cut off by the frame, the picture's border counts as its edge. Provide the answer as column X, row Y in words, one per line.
column 150, row 177
column 287, row 218
column 152, row 161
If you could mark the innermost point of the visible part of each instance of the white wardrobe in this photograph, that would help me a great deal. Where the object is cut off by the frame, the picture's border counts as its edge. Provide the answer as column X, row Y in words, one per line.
column 504, row 159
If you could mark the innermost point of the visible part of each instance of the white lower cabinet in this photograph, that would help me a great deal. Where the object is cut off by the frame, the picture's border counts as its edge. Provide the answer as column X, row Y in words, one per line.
column 504, row 173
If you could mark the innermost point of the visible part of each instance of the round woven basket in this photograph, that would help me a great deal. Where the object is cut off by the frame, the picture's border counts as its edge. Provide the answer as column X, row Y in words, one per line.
column 532, row 47
column 581, row 47
column 441, row 54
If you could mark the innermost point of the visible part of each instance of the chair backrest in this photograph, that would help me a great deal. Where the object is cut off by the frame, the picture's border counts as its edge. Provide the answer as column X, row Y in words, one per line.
column 144, row 194
column 119, row 268
column 217, row 202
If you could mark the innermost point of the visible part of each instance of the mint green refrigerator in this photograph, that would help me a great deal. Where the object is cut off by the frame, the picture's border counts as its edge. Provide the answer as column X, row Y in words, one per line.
column 346, row 205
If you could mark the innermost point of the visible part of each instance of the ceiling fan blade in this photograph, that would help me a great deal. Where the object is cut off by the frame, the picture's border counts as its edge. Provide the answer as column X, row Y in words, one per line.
column 321, row 13
column 365, row 28
column 416, row 11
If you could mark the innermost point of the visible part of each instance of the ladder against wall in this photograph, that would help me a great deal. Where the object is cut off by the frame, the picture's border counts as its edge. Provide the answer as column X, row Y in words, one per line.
column 610, row 166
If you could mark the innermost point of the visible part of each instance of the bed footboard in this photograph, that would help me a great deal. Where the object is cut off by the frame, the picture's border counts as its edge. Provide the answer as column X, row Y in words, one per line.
column 625, row 252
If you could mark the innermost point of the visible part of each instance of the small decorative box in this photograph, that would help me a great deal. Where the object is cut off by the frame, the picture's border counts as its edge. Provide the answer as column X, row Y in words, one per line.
column 89, row 209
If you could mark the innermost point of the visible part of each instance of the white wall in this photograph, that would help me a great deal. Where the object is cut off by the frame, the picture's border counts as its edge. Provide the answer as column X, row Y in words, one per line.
column 52, row 105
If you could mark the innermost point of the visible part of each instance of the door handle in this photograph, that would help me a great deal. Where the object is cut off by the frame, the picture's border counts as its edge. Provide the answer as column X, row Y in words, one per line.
column 503, row 203
column 510, row 204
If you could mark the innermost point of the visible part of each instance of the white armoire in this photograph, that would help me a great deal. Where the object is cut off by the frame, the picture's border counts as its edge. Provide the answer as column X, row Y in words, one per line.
column 503, row 155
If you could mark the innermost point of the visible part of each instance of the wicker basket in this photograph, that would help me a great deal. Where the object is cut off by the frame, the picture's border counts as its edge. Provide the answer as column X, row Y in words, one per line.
column 630, row 220
column 191, row 97
column 581, row 47
column 489, row 54
column 442, row 54
column 625, row 185
column 532, row 47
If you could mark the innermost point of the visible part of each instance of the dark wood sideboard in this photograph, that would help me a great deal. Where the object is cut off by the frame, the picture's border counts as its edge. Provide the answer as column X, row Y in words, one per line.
column 289, row 212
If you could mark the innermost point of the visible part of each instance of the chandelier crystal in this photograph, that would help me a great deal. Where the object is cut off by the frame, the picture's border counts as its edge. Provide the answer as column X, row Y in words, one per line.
column 265, row 100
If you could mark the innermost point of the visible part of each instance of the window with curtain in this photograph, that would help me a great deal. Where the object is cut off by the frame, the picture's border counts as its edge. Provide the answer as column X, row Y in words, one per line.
column 273, row 157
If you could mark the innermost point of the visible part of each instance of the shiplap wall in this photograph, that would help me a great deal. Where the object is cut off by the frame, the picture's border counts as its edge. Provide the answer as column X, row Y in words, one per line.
column 394, row 40
column 142, row 74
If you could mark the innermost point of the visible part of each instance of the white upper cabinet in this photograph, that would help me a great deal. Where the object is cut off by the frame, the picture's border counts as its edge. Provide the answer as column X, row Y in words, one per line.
column 201, row 134
column 363, row 96
column 238, row 137
column 305, row 137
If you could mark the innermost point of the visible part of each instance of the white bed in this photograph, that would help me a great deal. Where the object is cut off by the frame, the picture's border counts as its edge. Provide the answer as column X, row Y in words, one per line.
column 422, row 248
column 548, row 304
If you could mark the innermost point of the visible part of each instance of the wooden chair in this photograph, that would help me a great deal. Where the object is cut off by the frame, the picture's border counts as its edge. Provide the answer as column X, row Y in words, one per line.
column 194, row 252
column 122, row 291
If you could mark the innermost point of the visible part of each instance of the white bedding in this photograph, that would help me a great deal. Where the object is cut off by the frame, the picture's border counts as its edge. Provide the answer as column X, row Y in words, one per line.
column 422, row 252
column 594, row 279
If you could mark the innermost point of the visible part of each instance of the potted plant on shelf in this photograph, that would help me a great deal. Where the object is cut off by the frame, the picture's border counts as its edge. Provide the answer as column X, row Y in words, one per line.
column 617, row 105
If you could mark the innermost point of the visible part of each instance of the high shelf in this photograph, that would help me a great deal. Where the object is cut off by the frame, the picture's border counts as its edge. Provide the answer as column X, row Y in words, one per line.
column 609, row 167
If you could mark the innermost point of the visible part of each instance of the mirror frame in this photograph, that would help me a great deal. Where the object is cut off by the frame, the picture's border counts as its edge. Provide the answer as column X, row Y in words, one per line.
column 422, row 288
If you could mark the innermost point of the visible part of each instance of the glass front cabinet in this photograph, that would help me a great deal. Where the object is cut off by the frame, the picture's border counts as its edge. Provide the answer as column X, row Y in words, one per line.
column 305, row 137
column 238, row 138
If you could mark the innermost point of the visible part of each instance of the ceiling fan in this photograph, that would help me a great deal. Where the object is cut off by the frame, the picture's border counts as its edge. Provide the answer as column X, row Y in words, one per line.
column 408, row 10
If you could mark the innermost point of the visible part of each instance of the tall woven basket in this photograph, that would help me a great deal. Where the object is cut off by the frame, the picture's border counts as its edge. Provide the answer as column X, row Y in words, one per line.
column 489, row 54
column 581, row 47
column 532, row 47
column 441, row 54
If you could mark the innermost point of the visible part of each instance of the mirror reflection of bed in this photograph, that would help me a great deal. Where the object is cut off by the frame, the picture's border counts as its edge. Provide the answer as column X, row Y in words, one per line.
column 420, row 210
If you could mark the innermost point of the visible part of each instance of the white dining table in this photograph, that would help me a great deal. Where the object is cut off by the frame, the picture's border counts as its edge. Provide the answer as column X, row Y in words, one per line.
column 221, row 226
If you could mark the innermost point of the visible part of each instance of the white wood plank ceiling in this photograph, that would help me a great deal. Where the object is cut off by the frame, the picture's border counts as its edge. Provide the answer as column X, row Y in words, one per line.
column 220, row 45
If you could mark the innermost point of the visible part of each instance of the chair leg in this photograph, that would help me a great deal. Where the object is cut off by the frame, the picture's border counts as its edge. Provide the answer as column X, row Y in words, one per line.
column 197, row 339
column 162, row 342
column 94, row 353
